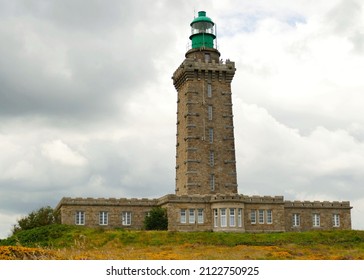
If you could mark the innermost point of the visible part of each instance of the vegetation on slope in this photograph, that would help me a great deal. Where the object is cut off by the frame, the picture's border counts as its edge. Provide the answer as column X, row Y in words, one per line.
column 73, row 242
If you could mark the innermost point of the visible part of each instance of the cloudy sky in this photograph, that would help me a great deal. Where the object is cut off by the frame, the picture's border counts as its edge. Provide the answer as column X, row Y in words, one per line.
column 88, row 108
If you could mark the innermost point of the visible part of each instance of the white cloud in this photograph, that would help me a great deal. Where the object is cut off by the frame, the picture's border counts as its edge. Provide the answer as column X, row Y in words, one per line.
column 58, row 151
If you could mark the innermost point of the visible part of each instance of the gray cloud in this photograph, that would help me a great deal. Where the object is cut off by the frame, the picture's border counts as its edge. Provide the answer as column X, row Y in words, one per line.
column 87, row 106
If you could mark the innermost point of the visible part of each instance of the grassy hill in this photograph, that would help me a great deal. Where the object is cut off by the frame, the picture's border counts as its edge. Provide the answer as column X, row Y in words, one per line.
column 72, row 242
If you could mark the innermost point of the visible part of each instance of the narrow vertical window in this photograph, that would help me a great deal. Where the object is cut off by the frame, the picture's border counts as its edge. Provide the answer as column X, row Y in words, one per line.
column 336, row 220
column 316, row 220
column 126, row 218
column 207, row 57
column 103, row 218
column 253, row 216
column 240, row 222
column 209, row 90
column 269, row 217
column 191, row 216
column 261, row 216
column 232, row 217
column 200, row 216
column 80, row 218
column 296, row 220
column 209, row 112
column 212, row 158
column 216, row 218
column 183, row 216
column 223, row 217
column 212, row 182
column 211, row 135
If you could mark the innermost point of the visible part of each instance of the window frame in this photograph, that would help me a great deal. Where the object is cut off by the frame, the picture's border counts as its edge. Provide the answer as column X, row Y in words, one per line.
column 261, row 216
column 316, row 221
column 223, row 217
column 126, row 218
column 209, row 112
column 216, row 217
column 269, row 215
column 200, row 217
column 232, row 222
column 191, row 216
column 183, row 216
column 253, row 216
column 80, row 218
column 240, row 215
column 296, row 220
column 103, row 218
column 336, row 220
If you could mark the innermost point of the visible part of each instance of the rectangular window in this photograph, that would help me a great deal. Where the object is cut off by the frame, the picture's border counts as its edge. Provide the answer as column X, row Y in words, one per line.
column 183, row 216
column 103, row 218
column 232, row 217
column 269, row 217
column 209, row 90
column 126, row 218
column 336, row 220
column 296, row 220
column 240, row 215
column 316, row 220
column 216, row 218
column 200, row 216
column 253, row 216
column 209, row 111
column 223, row 217
column 261, row 216
column 207, row 57
column 80, row 218
column 212, row 182
column 211, row 135
column 191, row 216
column 212, row 158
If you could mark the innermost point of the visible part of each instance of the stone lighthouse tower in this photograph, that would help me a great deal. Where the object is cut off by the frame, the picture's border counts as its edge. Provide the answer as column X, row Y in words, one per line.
column 205, row 149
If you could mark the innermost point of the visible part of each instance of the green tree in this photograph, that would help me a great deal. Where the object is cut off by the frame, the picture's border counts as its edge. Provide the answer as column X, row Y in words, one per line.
column 156, row 219
column 42, row 217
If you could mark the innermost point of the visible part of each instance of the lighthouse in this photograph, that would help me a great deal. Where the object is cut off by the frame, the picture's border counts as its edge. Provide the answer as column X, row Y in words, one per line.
column 205, row 148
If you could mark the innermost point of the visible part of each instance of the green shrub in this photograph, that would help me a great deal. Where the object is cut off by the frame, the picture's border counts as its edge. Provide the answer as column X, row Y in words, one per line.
column 156, row 219
column 42, row 217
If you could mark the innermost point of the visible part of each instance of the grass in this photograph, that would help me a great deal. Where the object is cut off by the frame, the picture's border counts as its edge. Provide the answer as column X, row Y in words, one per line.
column 72, row 242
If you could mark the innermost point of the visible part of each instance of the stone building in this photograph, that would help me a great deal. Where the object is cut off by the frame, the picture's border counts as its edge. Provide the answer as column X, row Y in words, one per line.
column 206, row 196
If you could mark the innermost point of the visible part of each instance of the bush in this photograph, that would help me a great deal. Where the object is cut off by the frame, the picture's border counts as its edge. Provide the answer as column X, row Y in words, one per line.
column 157, row 219
column 38, row 218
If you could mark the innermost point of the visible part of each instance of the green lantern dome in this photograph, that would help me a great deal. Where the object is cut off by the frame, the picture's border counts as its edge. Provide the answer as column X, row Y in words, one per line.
column 203, row 31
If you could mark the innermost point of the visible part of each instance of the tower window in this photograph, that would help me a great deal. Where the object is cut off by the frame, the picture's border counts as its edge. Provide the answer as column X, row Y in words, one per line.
column 212, row 182
column 209, row 111
column 80, row 218
column 209, row 90
column 103, row 218
column 211, row 135
column 207, row 57
column 212, row 158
